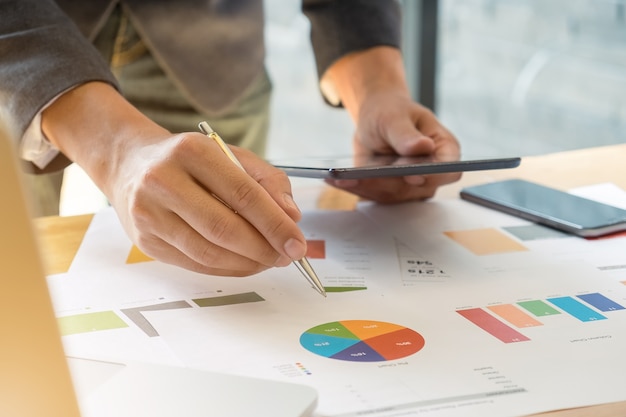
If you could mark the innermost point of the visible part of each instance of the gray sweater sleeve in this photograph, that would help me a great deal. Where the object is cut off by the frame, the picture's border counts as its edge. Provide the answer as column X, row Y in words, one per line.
column 42, row 53
column 339, row 27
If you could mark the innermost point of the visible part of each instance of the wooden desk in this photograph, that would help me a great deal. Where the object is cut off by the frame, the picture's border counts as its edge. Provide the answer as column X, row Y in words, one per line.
column 61, row 236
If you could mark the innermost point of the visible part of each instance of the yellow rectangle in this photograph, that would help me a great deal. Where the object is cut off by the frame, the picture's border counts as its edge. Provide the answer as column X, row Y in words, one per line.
column 136, row 256
column 90, row 322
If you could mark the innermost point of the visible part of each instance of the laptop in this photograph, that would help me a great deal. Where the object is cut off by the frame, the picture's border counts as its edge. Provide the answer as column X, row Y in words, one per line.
column 37, row 379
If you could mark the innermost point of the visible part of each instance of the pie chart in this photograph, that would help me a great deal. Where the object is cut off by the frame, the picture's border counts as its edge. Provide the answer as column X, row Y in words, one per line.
column 362, row 341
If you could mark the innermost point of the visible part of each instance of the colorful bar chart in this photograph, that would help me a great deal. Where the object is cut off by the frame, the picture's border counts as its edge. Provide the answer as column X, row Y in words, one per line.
column 498, row 319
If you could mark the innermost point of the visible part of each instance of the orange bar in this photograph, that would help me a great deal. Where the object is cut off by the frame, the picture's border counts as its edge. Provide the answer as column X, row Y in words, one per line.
column 514, row 315
column 485, row 241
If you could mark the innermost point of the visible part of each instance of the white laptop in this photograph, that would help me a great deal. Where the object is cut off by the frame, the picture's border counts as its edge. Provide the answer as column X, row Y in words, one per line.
column 36, row 381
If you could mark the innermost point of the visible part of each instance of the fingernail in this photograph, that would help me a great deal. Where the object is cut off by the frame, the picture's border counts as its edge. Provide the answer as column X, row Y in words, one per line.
column 295, row 249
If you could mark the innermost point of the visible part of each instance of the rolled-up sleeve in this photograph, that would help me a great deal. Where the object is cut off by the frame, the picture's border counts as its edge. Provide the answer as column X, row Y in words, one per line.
column 42, row 54
column 339, row 27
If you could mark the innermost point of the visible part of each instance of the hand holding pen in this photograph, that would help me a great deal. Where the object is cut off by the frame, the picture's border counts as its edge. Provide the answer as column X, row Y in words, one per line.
column 302, row 264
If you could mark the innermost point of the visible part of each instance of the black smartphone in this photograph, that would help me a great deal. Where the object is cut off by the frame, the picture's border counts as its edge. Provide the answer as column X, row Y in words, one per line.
column 376, row 166
column 548, row 206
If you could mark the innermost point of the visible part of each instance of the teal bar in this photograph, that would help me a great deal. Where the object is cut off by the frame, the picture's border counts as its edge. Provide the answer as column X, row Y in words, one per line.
column 576, row 309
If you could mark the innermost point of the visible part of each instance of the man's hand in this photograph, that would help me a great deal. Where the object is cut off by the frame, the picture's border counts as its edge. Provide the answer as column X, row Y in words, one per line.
column 184, row 202
column 372, row 87
column 179, row 197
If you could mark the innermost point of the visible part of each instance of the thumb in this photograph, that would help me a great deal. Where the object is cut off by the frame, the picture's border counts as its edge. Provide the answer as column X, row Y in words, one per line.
column 406, row 139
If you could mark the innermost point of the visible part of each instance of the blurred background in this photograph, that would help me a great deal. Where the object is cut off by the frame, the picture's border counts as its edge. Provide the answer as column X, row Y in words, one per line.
column 508, row 77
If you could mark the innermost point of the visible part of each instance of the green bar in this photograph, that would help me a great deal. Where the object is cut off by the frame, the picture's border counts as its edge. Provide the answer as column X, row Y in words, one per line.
column 90, row 322
column 344, row 289
column 539, row 308
column 226, row 300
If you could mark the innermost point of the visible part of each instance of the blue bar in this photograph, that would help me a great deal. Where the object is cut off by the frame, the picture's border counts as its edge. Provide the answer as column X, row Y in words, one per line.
column 576, row 309
column 600, row 302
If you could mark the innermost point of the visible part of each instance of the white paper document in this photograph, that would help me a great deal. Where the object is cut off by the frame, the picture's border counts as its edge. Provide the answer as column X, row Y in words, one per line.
column 441, row 308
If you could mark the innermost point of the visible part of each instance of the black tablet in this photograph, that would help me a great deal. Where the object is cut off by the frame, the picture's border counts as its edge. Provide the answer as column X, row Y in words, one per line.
column 373, row 166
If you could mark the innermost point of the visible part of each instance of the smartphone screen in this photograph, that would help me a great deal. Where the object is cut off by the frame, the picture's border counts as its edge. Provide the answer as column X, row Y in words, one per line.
column 549, row 206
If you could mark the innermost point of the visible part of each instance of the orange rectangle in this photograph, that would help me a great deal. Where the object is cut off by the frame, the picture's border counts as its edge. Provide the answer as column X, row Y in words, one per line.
column 514, row 315
column 485, row 241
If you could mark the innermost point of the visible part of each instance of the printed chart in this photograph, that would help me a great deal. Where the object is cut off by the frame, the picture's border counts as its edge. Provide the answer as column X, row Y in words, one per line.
column 109, row 320
column 497, row 319
column 362, row 341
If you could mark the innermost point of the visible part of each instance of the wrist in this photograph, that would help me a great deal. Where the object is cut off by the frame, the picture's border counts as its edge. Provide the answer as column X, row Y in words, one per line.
column 94, row 126
column 361, row 75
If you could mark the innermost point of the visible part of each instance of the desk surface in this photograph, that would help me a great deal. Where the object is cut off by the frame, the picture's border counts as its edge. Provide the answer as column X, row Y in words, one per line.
column 61, row 236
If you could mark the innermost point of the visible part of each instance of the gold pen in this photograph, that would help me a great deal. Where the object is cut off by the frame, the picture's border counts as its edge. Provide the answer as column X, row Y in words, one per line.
column 303, row 264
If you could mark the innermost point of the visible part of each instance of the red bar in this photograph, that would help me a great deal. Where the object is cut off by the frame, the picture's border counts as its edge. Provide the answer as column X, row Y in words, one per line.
column 492, row 325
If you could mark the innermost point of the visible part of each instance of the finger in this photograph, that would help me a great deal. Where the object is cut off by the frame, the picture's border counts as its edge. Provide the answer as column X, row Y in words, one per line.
column 254, row 203
column 415, row 180
column 175, row 233
column 273, row 180
column 387, row 190
column 171, row 254
column 397, row 130
column 406, row 139
column 439, row 179
column 176, row 191
column 415, row 187
column 250, row 200
column 219, row 226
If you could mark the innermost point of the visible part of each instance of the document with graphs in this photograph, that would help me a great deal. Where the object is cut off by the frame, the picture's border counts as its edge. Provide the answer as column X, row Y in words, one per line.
column 440, row 308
